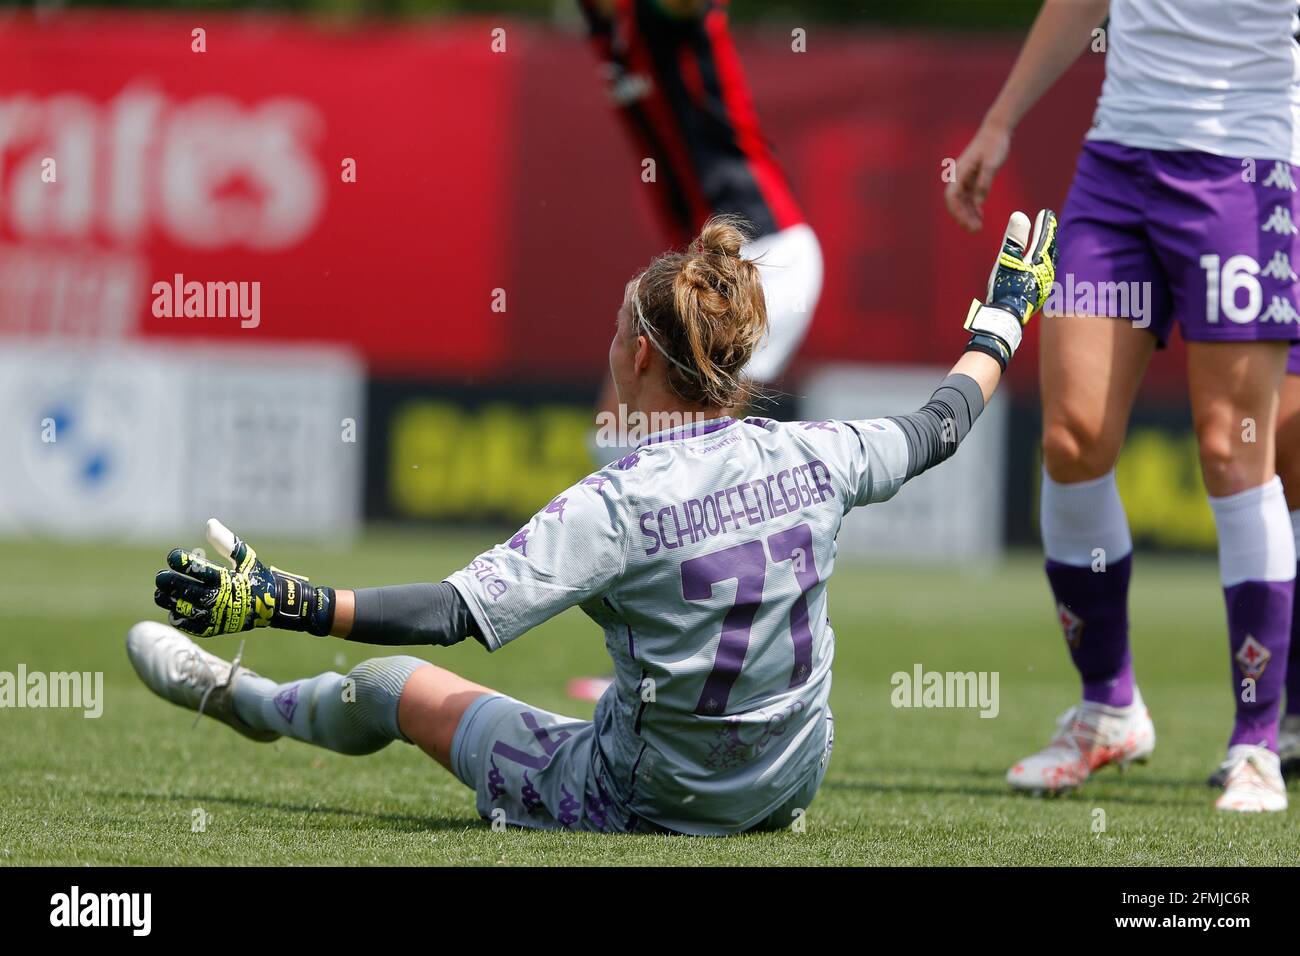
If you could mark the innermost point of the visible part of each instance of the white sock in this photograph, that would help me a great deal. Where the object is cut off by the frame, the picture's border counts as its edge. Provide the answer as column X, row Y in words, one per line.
column 1295, row 526
column 1079, row 518
column 1253, row 541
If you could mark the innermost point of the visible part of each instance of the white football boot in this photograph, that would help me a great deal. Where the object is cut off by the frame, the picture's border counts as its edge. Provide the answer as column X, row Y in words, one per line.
column 1288, row 752
column 1288, row 744
column 1254, row 781
column 1088, row 737
column 178, row 670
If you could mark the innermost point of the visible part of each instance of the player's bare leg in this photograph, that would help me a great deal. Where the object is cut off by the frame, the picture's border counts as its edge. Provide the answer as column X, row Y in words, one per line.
column 1235, row 407
column 431, row 707
column 1090, row 372
column 1288, row 469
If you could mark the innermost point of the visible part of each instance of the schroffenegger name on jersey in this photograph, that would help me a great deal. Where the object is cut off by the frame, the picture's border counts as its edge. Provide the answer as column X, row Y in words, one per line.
column 698, row 519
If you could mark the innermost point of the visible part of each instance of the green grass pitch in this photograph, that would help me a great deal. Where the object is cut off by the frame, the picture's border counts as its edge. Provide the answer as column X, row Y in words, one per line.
column 904, row 787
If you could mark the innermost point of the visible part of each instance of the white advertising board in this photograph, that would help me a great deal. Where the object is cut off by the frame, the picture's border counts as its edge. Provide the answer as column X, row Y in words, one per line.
column 139, row 440
column 954, row 512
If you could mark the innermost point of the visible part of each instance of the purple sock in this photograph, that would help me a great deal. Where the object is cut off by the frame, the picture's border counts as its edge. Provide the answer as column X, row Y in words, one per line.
column 1093, row 609
column 1259, row 634
column 1257, row 561
column 1293, row 662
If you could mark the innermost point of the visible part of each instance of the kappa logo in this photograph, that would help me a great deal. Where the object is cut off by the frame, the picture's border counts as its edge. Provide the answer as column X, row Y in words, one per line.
column 1071, row 625
column 556, row 507
column 529, row 796
column 1279, row 267
column 1280, row 311
column 1280, row 177
column 1252, row 657
column 569, row 808
column 496, row 781
column 1280, row 222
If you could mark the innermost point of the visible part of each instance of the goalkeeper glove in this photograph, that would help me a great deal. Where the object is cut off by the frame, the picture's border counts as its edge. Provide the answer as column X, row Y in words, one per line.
column 1019, row 284
column 207, row 599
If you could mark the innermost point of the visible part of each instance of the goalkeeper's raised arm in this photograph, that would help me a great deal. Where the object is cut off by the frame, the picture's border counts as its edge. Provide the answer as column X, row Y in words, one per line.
column 1018, row 286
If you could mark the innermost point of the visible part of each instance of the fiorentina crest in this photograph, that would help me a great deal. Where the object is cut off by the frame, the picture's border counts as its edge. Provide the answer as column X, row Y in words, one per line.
column 1071, row 625
column 286, row 702
column 1252, row 657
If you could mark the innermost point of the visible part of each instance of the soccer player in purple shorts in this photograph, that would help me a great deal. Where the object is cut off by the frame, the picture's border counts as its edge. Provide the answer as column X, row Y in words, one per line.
column 1182, row 212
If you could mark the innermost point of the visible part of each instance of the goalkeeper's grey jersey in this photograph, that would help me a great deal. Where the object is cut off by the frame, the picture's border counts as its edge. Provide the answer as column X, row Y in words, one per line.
column 704, row 556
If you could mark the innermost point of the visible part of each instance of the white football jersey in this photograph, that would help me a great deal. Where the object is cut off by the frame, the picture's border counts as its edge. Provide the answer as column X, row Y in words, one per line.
column 704, row 556
column 1215, row 76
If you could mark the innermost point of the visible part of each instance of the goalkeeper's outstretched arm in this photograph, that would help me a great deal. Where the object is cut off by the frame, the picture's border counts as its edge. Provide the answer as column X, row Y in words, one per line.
column 404, row 614
column 205, row 598
column 1019, row 284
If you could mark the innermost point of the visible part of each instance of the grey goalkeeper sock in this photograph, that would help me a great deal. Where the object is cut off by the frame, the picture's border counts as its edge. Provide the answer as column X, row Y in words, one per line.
column 353, row 714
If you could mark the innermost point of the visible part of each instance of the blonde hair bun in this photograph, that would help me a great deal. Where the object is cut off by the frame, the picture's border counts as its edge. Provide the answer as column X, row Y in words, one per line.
column 704, row 310
column 722, row 236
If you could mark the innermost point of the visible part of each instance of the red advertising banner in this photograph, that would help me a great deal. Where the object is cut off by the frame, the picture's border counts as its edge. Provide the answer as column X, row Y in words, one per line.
column 459, row 203
column 230, row 165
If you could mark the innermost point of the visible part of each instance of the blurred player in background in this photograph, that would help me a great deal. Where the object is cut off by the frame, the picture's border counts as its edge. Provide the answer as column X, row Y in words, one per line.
column 1184, row 197
column 672, row 68
column 704, row 556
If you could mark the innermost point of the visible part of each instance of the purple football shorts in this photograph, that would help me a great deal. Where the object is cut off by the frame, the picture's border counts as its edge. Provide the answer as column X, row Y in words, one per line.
column 1293, row 362
column 1158, row 237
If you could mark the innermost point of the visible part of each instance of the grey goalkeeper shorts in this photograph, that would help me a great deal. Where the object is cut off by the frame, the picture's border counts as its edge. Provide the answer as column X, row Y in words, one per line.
column 533, row 768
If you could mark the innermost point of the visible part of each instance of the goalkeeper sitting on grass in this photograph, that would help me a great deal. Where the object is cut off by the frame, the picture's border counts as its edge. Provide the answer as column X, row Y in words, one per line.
column 704, row 555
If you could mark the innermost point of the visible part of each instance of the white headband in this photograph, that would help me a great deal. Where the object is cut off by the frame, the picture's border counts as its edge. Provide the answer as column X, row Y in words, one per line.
column 650, row 334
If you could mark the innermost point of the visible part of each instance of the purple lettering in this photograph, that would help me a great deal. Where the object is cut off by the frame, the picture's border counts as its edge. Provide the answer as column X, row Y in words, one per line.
column 762, row 486
column 711, row 528
column 753, row 512
column 695, row 519
column 801, row 482
column 789, row 494
column 822, row 480
column 649, row 532
column 735, row 515
column 724, row 515
column 677, row 527
column 778, row 504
